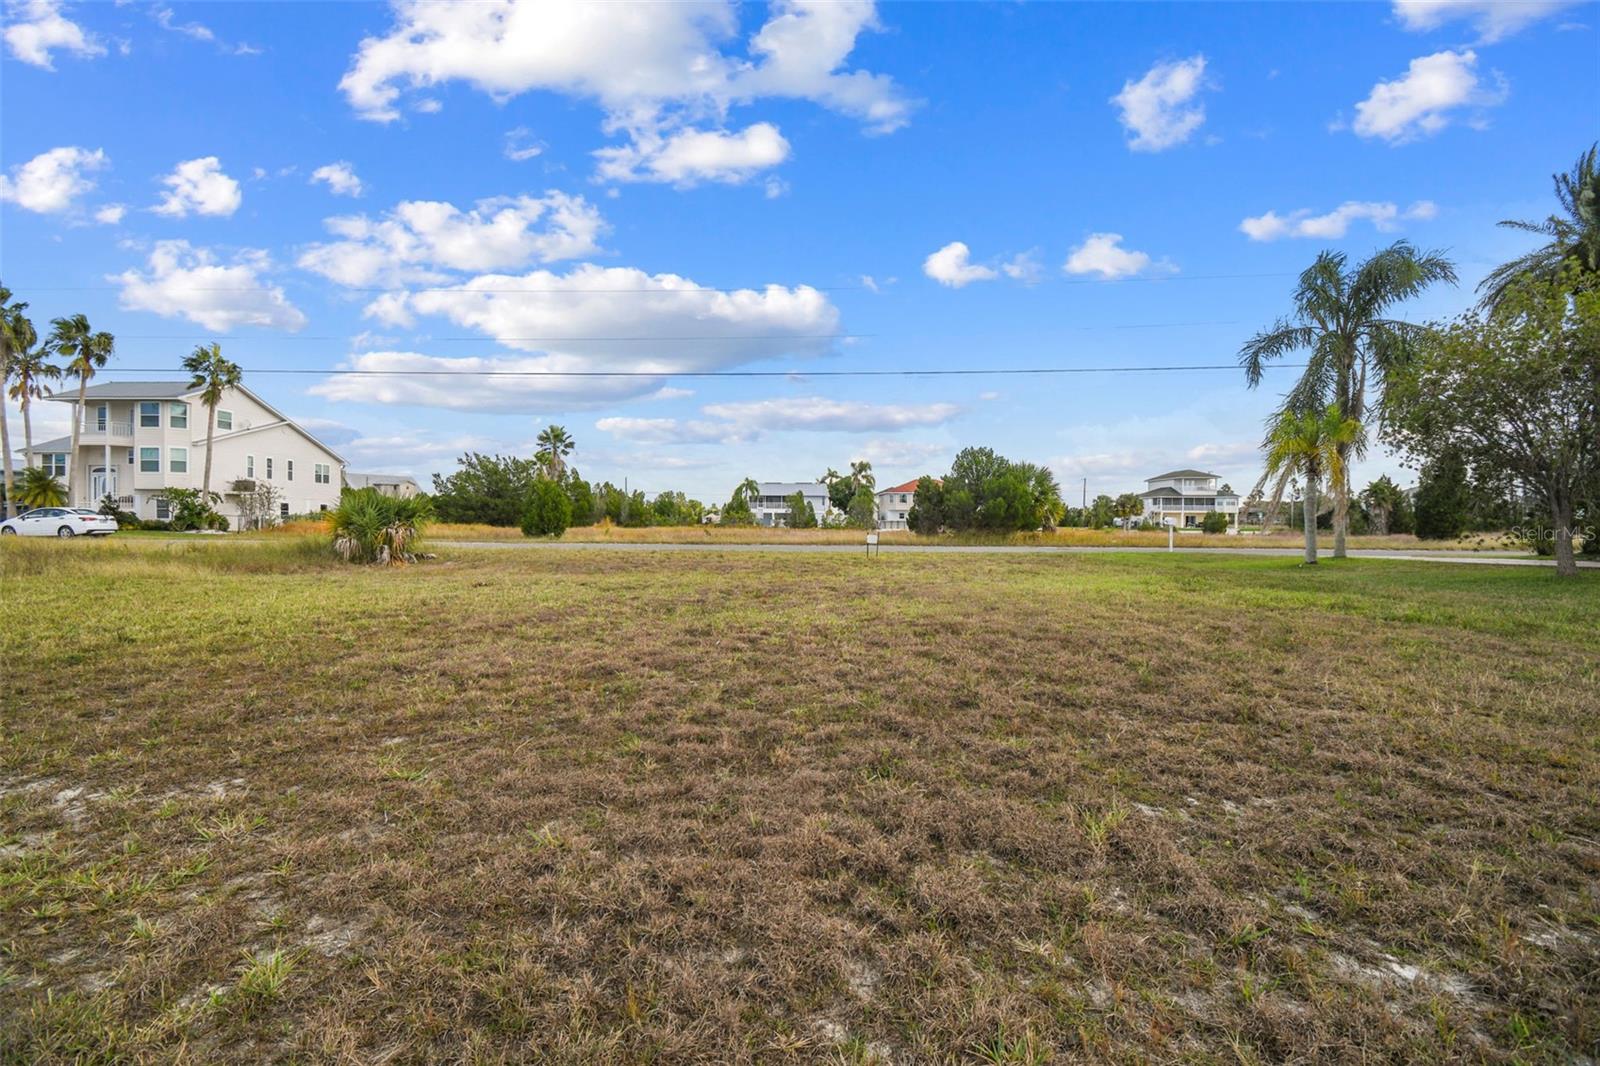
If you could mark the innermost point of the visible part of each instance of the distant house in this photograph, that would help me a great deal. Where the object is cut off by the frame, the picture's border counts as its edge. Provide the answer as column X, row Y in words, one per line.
column 894, row 504
column 140, row 438
column 397, row 485
column 771, row 504
column 1182, row 498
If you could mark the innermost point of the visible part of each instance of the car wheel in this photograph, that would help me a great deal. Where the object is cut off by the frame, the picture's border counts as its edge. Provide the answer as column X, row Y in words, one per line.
column 65, row 532
column 8, row 532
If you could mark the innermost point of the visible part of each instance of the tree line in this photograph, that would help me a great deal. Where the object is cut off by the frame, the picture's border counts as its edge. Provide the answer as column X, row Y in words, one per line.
column 1501, row 399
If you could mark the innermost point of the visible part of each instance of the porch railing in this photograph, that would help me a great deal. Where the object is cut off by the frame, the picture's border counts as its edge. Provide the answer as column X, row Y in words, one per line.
column 93, row 426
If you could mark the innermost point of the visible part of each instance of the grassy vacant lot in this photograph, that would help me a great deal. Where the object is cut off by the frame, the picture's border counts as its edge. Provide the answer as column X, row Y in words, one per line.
column 585, row 807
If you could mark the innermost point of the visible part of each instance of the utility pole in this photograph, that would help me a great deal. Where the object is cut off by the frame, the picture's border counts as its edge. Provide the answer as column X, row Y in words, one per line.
column 1086, row 494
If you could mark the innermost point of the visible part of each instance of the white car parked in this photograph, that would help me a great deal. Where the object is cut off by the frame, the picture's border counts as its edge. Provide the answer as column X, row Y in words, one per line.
column 59, row 522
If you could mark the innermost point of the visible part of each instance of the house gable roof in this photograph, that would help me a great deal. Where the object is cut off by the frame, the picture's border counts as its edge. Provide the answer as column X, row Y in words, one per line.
column 1181, row 473
column 910, row 486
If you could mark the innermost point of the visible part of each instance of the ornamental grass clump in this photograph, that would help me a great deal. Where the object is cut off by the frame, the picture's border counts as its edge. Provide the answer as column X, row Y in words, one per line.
column 369, row 527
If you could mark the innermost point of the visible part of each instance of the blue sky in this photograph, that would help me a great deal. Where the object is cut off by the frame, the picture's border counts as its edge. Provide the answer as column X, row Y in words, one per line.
column 673, row 187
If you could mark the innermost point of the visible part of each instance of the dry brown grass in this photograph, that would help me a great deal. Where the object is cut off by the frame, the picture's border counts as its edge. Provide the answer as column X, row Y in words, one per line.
column 596, row 807
column 606, row 533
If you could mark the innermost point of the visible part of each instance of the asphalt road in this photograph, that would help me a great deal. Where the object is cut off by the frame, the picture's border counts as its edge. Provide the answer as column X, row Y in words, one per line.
column 1475, row 558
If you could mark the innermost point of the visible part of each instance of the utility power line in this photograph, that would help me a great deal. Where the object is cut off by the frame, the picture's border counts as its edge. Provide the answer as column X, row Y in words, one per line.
column 791, row 373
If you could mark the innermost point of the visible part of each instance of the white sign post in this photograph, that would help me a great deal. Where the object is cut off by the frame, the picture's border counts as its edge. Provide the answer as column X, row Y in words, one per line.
column 872, row 542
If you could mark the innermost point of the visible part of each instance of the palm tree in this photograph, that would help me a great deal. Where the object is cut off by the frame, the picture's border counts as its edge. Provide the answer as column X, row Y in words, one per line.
column 555, row 444
column 749, row 488
column 1312, row 444
column 10, row 313
column 861, row 474
column 30, row 369
column 830, row 477
column 86, row 351
column 1339, row 319
column 39, row 488
column 212, row 375
column 1573, row 239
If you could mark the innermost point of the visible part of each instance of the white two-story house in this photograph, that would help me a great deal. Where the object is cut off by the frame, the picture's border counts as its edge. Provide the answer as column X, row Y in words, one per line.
column 894, row 504
column 771, row 505
column 1182, row 497
column 139, row 438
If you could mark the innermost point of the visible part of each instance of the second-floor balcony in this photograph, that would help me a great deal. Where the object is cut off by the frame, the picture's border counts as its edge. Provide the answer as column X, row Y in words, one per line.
column 98, row 430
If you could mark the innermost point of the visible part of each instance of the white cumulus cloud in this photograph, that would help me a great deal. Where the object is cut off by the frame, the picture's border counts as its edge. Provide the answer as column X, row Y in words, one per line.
column 1494, row 20
column 340, row 178
column 1421, row 102
column 952, row 265
column 199, row 186
column 110, row 214
column 583, row 326
column 658, row 70
column 1102, row 254
column 52, row 181
column 182, row 281
column 1384, row 217
column 688, row 157
column 37, row 27
column 1160, row 110
column 419, row 238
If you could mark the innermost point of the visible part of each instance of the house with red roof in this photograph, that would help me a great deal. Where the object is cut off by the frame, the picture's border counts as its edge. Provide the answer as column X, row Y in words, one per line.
column 894, row 504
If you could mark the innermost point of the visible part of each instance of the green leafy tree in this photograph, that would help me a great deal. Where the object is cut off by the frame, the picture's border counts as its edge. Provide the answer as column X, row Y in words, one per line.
column 555, row 444
column 1214, row 522
column 370, row 527
column 862, row 510
column 1341, row 321
column 1102, row 509
column 1513, row 395
column 549, row 510
column 1309, row 445
column 927, row 507
column 111, row 509
column 1574, row 245
column 1127, row 506
column 1384, row 502
column 581, row 497
column 37, row 487
column 194, row 509
column 85, row 350
column 801, row 514
column 488, row 489
column 1443, row 496
column 212, row 375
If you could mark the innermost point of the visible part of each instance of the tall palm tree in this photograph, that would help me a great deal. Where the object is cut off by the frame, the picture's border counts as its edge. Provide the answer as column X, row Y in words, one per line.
column 1340, row 320
column 830, row 477
column 30, row 369
column 861, row 474
column 555, row 444
column 1311, row 444
column 1574, row 238
column 749, row 488
column 86, row 351
column 212, row 375
column 10, row 313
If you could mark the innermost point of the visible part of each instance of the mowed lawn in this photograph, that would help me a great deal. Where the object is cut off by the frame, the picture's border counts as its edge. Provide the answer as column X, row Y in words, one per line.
column 655, row 807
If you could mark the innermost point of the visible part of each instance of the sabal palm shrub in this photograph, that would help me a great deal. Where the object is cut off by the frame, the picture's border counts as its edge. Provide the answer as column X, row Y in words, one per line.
column 369, row 527
column 37, row 487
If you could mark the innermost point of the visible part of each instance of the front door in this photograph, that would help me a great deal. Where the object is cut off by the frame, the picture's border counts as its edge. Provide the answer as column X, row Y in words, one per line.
column 102, row 484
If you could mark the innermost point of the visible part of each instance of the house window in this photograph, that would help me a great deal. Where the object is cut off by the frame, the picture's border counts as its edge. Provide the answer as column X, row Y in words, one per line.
column 101, row 416
column 163, row 509
column 149, row 460
column 288, row 470
column 149, row 414
column 283, row 510
column 178, row 460
column 178, row 416
column 902, row 497
column 249, row 466
column 130, row 456
column 225, row 420
column 321, row 473
column 269, row 468
column 54, row 463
